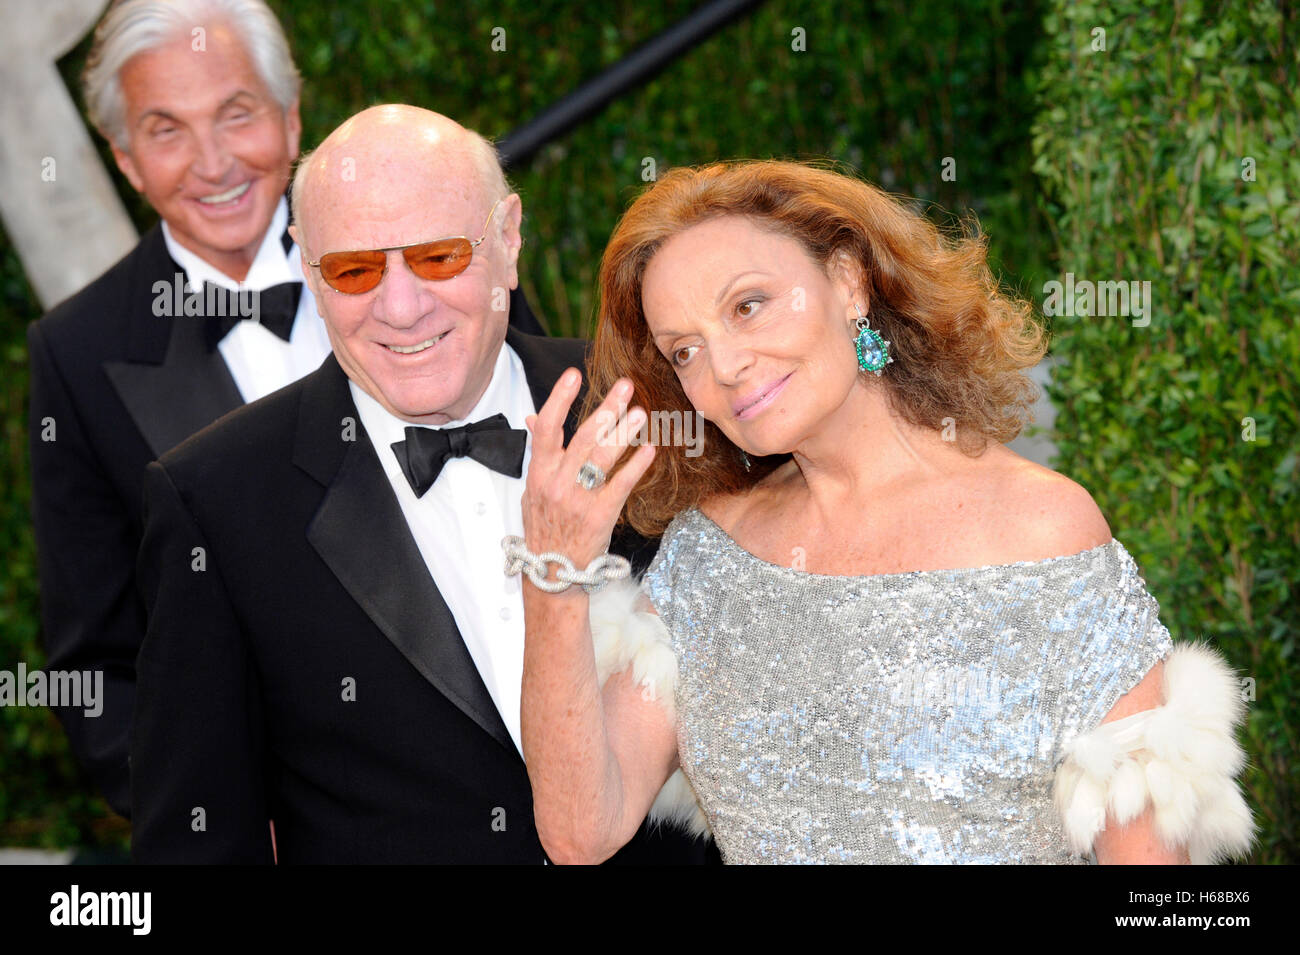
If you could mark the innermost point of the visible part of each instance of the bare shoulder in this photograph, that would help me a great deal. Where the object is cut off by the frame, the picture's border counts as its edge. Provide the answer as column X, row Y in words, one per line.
column 1044, row 513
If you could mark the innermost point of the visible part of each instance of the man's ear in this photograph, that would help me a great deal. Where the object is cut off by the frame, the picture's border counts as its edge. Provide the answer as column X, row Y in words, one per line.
column 293, row 130
column 127, row 165
column 310, row 275
column 512, row 214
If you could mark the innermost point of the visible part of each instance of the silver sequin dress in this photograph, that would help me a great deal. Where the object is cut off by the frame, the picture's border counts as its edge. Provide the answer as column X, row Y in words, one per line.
column 893, row 718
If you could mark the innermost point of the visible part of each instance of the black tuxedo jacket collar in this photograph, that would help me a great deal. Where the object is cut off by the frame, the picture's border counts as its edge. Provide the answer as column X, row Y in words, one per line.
column 170, row 383
column 361, row 534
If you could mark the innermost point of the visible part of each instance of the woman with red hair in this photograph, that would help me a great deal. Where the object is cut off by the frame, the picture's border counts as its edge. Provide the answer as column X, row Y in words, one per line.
column 872, row 632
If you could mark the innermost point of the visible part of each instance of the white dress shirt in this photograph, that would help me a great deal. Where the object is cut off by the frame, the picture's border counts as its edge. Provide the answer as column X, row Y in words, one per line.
column 259, row 360
column 458, row 525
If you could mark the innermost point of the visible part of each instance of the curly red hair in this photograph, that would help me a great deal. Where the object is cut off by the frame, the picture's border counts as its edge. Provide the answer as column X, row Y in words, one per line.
column 959, row 343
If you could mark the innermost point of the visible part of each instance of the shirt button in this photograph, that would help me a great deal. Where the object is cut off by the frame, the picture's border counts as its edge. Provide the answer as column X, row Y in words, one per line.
column 480, row 508
column 505, row 613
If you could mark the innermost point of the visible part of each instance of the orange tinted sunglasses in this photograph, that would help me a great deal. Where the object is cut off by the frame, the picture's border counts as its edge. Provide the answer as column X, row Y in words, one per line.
column 354, row 273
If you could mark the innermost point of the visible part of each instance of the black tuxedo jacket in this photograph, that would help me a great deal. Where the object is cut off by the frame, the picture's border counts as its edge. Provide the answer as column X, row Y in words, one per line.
column 113, row 387
column 301, row 664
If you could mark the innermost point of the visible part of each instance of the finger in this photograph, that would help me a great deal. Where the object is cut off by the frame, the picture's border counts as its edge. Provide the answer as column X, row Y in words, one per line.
column 634, row 468
column 603, row 425
column 628, row 433
column 605, row 454
column 548, row 426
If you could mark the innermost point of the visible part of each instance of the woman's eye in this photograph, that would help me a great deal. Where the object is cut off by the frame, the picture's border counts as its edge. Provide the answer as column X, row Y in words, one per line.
column 678, row 360
column 747, row 308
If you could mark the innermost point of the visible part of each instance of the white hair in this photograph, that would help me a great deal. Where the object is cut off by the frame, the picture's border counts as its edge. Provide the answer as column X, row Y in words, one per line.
column 132, row 27
column 483, row 156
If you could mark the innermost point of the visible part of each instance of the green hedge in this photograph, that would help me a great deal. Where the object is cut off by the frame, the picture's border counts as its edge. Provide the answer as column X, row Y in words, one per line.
column 1171, row 157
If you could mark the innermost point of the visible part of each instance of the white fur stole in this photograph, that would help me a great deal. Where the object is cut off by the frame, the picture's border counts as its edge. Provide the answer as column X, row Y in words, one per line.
column 1181, row 758
column 624, row 636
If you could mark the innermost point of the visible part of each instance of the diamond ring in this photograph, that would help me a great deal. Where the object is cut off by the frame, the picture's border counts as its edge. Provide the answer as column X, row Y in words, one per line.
column 590, row 476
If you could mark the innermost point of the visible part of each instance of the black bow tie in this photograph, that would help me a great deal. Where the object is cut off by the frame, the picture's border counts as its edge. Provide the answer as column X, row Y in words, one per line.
column 491, row 442
column 273, row 307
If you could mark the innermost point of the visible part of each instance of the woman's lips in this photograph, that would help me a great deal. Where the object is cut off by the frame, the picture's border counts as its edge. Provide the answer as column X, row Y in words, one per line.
column 755, row 405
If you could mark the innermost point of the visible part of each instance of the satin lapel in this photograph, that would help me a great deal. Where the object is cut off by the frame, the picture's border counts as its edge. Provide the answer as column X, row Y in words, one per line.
column 544, row 360
column 361, row 534
column 171, row 385
column 187, row 392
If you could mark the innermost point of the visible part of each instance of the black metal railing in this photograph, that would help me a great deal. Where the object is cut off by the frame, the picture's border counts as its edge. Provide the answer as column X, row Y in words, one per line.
column 633, row 70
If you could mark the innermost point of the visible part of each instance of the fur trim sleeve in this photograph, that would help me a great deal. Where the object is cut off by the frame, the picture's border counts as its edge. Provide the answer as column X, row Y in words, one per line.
column 626, row 636
column 1181, row 758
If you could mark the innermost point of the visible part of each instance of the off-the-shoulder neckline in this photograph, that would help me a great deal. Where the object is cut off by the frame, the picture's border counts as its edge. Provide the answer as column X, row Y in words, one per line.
column 909, row 574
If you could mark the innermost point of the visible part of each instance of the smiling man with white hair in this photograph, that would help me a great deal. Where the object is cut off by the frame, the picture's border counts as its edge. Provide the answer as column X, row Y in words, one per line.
column 348, row 661
column 199, row 102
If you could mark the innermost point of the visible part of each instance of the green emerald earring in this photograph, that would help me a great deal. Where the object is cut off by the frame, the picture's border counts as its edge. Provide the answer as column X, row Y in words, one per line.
column 873, row 350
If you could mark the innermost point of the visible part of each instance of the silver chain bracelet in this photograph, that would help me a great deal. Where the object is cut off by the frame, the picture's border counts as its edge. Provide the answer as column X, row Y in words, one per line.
column 599, row 572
